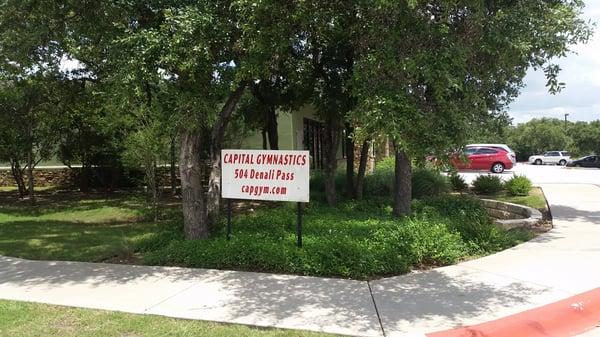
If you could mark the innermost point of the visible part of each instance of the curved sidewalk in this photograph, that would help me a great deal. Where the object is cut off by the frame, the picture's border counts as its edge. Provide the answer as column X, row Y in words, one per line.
column 557, row 265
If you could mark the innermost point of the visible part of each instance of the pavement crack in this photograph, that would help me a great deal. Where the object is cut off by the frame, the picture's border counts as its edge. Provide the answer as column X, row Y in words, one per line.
column 169, row 297
column 376, row 309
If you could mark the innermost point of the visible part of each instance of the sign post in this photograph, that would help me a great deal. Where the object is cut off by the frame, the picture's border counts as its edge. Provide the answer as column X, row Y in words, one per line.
column 266, row 175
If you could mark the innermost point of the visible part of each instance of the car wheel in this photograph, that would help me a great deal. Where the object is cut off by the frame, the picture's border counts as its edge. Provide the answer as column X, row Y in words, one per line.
column 538, row 162
column 498, row 168
column 562, row 162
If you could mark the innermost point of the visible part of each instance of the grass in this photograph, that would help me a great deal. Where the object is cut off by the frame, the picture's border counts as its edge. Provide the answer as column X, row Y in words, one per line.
column 74, row 229
column 535, row 199
column 360, row 240
column 19, row 319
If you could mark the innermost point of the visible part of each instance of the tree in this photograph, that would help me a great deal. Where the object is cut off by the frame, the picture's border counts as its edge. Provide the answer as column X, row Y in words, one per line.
column 585, row 137
column 27, row 107
column 203, row 56
column 538, row 136
column 428, row 69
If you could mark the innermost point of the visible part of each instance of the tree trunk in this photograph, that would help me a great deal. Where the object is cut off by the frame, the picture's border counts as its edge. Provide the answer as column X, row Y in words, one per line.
column 350, row 189
column 213, row 198
column 264, row 138
column 402, row 183
column 172, row 167
column 17, row 173
column 271, row 124
column 153, row 183
column 30, row 175
column 330, row 146
column 195, row 224
column 84, row 176
column 362, row 169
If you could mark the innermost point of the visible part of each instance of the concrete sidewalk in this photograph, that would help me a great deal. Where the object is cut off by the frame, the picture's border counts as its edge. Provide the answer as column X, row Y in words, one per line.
column 554, row 266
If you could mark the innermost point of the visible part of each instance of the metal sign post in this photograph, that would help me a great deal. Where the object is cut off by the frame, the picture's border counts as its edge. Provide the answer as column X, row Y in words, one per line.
column 228, row 219
column 266, row 175
column 299, row 226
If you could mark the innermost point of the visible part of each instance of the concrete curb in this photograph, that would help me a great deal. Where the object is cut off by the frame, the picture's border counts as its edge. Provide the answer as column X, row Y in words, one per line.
column 569, row 317
column 509, row 215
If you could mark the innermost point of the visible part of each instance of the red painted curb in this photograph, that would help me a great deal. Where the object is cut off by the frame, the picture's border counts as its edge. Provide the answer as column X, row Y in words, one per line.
column 566, row 318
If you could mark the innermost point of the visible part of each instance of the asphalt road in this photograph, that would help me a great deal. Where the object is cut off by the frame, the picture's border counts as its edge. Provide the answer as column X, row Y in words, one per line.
column 544, row 174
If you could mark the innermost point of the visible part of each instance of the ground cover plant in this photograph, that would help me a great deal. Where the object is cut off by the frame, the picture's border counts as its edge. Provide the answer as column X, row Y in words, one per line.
column 19, row 319
column 355, row 239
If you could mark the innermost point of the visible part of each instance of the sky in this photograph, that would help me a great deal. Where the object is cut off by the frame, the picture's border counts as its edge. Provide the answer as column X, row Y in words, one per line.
column 581, row 73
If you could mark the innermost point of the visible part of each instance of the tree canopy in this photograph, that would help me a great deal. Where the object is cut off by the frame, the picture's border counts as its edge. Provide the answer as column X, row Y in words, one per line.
column 422, row 73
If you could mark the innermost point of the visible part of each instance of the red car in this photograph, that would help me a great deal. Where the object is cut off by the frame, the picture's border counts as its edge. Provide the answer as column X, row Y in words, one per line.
column 484, row 158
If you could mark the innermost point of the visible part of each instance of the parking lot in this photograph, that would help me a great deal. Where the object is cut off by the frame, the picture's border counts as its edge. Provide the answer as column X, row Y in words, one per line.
column 545, row 174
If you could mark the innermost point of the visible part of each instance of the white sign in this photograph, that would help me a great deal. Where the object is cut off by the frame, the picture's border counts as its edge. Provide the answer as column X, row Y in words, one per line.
column 265, row 175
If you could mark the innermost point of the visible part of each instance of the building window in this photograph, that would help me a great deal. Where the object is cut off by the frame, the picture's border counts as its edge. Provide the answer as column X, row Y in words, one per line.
column 313, row 142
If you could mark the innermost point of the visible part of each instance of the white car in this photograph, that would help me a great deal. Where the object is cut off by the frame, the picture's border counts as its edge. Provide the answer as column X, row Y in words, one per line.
column 551, row 157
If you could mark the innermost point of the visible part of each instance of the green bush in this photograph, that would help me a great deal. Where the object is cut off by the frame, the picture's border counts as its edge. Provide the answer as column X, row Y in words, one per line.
column 487, row 184
column 518, row 185
column 428, row 182
column 425, row 182
column 357, row 239
column 381, row 181
column 458, row 183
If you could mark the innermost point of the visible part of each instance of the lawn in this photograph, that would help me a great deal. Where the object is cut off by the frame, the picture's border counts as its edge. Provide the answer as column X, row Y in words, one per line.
column 360, row 240
column 535, row 199
column 19, row 319
column 72, row 227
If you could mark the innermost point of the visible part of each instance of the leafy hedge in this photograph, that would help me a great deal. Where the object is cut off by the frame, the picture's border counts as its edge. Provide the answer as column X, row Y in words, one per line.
column 487, row 184
column 355, row 239
column 518, row 186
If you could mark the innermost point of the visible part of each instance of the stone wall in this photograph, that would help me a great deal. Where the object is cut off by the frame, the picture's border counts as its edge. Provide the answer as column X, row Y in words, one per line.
column 510, row 215
column 43, row 177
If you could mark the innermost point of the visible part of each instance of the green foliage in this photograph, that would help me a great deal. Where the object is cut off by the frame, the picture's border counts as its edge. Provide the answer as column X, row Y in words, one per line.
column 428, row 183
column 357, row 239
column 538, row 136
column 518, row 186
column 487, row 184
column 425, row 181
column 381, row 181
column 585, row 137
column 457, row 182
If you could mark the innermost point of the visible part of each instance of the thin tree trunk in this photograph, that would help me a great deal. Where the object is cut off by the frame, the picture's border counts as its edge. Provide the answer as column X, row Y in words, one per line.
column 350, row 188
column 264, row 138
column 402, row 183
column 172, row 167
column 362, row 169
column 330, row 146
column 192, row 192
column 272, row 128
column 153, row 183
column 85, row 174
column 30, row 174
column 213, row 198
column 18, row 176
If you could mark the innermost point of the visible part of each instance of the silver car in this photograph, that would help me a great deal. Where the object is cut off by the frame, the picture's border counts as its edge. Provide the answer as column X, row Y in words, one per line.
column 551, row 157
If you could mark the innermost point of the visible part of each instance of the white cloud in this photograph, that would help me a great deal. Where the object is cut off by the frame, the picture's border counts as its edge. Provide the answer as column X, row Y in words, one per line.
column 581, row 73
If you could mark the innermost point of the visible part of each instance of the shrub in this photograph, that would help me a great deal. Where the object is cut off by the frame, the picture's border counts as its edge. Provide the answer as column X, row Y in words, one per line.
column 518, row 185
column 381, row 181
column 487, row 184
column 457, row 182
column 425, row 182
column 428, row 182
